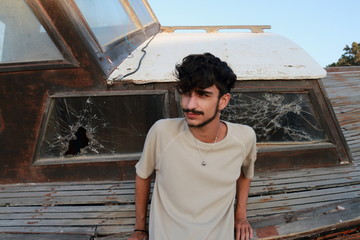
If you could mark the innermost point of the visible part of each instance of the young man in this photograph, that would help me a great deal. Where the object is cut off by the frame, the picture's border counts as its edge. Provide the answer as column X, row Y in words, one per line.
column 203, row 165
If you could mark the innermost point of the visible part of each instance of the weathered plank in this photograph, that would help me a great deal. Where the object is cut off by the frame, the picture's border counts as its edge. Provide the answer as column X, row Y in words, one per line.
column 39, row 236
column 86, row 230
column 66, row 222
column 65, row 209
column 299, row 199
column 81, row 200
column 112, row 230
column 69, row 215
column 301, row 225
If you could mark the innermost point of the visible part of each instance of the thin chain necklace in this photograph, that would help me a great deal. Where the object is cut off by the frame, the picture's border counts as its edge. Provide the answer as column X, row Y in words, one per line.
column 203, row 163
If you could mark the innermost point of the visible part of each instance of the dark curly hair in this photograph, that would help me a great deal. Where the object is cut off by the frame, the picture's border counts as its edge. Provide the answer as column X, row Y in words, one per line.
column 203, row 71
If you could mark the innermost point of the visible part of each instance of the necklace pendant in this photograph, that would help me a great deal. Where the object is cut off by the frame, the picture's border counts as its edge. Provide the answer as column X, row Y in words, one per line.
column 203, row 163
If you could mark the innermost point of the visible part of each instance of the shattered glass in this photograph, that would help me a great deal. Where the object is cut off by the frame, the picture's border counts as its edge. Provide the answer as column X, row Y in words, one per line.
column 276, row 117
column 100, row 125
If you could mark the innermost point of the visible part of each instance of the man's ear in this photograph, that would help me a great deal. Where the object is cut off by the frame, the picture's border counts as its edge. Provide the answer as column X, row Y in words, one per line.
column 224, row 101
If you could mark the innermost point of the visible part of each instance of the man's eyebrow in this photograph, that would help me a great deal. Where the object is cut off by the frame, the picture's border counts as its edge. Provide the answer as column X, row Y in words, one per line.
column 201, row 91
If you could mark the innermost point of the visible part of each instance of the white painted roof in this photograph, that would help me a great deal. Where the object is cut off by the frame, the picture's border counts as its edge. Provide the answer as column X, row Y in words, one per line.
column 252, row 56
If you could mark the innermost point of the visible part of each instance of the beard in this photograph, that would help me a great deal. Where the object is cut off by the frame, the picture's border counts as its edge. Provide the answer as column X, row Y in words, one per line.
column 206, row 122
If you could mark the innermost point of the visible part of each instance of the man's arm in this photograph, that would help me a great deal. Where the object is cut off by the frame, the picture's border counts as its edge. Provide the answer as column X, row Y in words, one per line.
column 142, row 193
column 243, row 229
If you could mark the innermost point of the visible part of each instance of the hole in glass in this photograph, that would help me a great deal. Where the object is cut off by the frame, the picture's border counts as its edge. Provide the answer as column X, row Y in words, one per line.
column 81, row 141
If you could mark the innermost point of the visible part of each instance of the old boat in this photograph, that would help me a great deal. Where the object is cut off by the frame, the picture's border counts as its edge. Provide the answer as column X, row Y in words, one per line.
column 82, row 81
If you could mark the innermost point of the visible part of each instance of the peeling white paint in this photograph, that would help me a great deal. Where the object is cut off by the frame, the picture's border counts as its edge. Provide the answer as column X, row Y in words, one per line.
column 252, row 56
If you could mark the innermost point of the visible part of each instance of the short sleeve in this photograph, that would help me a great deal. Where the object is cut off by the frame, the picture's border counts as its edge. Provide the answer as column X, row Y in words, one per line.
column 249, row 162
column 146, row 165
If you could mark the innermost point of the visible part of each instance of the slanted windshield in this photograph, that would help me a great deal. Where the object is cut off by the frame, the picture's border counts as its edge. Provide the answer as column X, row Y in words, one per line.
column 107, row 19
column 141, row 12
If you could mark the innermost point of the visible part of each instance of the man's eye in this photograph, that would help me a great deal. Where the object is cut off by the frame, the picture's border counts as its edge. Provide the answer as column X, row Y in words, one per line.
column 203, row 94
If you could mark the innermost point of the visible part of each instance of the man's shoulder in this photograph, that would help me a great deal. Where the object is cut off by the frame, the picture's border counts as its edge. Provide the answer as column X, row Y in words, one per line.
column 241, row 130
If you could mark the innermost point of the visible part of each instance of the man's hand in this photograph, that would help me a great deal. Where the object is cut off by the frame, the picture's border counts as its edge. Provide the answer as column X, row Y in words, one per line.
column 243, row 230
column 138, row 236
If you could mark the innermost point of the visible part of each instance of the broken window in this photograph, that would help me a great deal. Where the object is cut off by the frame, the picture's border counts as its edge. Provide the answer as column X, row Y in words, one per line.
column 96, row 127
column 276, row 117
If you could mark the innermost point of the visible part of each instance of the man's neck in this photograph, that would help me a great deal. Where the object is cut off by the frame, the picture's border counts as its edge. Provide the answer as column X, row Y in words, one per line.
column 209, row 133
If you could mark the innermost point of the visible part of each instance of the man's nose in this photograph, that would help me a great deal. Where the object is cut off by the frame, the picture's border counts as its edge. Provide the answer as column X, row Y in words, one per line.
column 192, row 102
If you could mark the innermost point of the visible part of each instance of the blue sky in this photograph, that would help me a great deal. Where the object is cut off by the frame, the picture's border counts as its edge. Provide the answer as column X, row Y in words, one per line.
column 320, row 27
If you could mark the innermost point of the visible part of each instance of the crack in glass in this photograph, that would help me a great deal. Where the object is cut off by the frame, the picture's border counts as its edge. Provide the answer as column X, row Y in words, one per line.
column 100, row 125
column 276, row 117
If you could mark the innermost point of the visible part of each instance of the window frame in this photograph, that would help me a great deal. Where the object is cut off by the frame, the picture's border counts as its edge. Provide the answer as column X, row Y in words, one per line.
column 37, row 160
column 69, row 60
column 68, row 16
column 111, row 55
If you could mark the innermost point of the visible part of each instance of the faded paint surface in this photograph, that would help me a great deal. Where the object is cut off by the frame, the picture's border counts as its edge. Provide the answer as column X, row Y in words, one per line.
column 253, row 56
column 342, row 85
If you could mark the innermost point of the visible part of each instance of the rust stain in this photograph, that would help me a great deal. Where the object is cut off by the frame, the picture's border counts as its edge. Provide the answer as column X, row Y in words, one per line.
column 267, row 232
column 50, row 195
column 111, row 198
column 266, row 200
column 30, row 223
column 283, row 208
column 2, row 123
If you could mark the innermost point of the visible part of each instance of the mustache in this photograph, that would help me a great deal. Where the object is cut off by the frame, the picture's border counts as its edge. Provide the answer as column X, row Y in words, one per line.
column 186, row 110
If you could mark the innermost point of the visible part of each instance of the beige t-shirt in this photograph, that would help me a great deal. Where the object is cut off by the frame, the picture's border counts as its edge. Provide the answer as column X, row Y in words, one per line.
column 191, row 201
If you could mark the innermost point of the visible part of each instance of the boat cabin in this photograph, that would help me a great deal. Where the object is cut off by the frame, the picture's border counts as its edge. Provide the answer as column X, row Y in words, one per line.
column 82, row 81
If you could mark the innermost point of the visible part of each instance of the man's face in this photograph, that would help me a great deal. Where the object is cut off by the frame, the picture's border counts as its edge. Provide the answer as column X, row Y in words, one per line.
column 200, row 106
